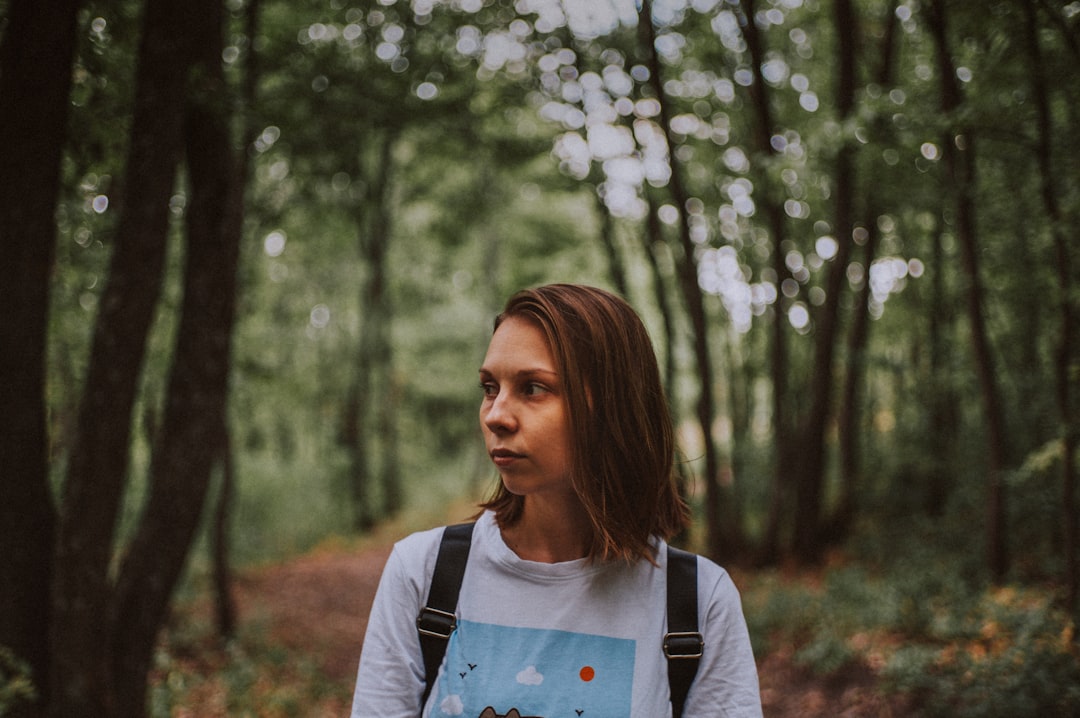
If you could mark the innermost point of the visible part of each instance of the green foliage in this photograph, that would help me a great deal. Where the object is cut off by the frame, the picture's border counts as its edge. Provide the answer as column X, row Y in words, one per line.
column 250, row 676
column 1018, row 657
column 16, row 682
column 956, row 647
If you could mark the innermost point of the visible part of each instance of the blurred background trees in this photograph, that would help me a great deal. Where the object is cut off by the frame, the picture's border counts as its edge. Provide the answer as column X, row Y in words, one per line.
column 848, row 223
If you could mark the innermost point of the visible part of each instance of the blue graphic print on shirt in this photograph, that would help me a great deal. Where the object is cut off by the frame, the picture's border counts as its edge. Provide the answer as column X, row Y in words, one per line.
column 536, row 672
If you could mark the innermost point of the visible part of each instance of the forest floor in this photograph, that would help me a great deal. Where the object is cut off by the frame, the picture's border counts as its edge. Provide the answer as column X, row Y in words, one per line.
column 302, row 624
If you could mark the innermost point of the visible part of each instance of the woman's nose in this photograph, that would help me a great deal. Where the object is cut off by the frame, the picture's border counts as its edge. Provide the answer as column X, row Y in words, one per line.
column 498, row 415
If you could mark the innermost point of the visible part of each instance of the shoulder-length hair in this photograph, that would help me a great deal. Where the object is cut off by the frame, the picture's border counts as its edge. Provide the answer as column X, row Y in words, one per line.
column 622, row 440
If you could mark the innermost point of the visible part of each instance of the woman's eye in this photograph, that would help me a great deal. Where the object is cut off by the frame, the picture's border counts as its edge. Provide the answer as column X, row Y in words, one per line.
column 489, row 389
column 533, row 389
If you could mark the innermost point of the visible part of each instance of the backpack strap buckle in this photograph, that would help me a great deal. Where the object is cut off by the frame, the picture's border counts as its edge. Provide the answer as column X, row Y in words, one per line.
column 435, row 623
column 684, row 645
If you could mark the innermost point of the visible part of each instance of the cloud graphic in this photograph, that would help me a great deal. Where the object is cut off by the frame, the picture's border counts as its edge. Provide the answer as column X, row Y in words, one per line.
column 452, row 706
column 530, row 677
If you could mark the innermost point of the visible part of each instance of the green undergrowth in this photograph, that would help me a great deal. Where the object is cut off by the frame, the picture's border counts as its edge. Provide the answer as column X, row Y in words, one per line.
column 956, row 648
column 195, row 673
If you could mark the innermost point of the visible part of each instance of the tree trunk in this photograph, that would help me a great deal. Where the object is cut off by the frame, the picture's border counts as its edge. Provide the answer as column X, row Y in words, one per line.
column 1049, row 183
column 846, row 508
column 354, row 439
column 225, row 611
column 809, row 491
column 782, row 484
column 938, row 392
column 372, row 396
column 98, row 461
column 387, row 391
column 220, row 532
column 653, row 240
column 35, row 82
column 196, row 398
column 611, row 247
column 959, row 157
column 722, row 541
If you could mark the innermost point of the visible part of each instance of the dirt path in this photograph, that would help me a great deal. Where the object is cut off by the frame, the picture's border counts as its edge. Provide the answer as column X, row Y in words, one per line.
column 317, row 605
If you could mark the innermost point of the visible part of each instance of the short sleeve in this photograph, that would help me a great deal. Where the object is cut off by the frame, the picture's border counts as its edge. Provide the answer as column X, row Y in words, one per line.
column 727, row 682
column 390, row 679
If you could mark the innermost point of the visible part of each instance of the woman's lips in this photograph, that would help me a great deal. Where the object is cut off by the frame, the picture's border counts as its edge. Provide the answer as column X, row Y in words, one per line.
column 505, row 457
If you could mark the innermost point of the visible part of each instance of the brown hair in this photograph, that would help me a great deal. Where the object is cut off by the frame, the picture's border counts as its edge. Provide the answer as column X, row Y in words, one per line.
column 622, row 441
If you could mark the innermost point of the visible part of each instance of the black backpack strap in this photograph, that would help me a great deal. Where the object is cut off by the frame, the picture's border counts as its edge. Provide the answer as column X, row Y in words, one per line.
column 437, row 620
column 683, row 643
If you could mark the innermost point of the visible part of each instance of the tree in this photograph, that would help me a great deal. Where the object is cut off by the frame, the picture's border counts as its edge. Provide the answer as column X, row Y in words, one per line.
column 1064, row 361
column 35, row 81
column 811, row 477
column 191, row 437
column 721, row 546
column 99, row 457
column 104, row 632
column 783, row 478
column 959, row 154
column 850, row 410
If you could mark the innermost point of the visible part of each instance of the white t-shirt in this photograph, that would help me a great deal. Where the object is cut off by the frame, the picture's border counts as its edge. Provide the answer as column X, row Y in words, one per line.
column 578, row 639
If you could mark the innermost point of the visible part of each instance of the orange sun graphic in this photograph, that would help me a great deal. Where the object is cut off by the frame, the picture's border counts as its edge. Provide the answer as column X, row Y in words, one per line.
column 587, row 673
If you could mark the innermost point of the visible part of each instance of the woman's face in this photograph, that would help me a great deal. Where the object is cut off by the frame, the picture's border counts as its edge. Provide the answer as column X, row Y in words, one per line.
column 523, row 413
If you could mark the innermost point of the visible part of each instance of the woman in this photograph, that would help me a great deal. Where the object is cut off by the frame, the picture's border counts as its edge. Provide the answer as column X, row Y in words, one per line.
column 562, row 608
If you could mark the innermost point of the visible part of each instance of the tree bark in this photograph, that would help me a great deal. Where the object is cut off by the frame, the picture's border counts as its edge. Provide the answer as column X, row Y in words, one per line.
column 611, row 247
column 780, row 494
column 98, row 461
column 196, row 398
column 35, row 83
column 353, row 438
column 939, row 392
column 220, row 541
column 1064, row 355
column 722, row 541
column 371, row 396
column 225, row 611
column 958, row 152
column 653, row 240
column 846, row 508
column 388, row 393
column 811, row 479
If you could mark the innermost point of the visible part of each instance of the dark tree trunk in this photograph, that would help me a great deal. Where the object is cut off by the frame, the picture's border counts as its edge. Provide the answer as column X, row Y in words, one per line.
column 372, row 398
column 98, row 459
column 723, row 543
column 653, row 240
column 959, row 157
column 938, row 392
column 225, row 611
column 1064, row 357
column 196, row 397
column 220, row 533
column 611, row 247
column 811, row 481
column 387, row 396
column 846, row 508
column 780, row 494
column 848, row 420
column 35, row 82
column 653, row 243
column 353, row 438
